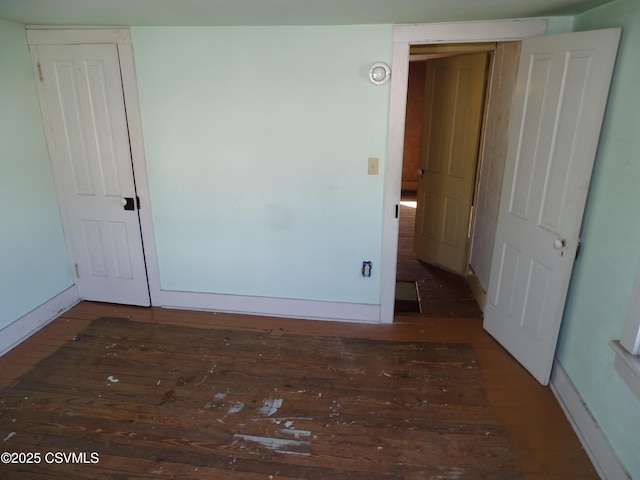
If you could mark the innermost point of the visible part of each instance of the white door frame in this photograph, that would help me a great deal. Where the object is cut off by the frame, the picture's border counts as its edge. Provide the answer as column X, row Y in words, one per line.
column 122, row 39
column 403, row 37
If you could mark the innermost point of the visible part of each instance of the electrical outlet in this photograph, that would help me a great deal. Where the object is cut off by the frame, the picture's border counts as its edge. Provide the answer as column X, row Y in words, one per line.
column 372, row 168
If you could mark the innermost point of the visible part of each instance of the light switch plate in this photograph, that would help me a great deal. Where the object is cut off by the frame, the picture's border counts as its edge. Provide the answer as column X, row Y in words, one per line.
column 372, row 169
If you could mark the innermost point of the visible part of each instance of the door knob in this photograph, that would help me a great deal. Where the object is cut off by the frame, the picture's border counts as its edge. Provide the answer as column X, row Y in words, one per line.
column 559, row 243
column 420, row 172
column 123, row 201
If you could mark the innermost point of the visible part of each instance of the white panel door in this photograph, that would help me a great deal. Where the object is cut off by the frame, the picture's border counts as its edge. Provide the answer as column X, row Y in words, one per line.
column 89, row 147
column 454, row 97
column 561, row 92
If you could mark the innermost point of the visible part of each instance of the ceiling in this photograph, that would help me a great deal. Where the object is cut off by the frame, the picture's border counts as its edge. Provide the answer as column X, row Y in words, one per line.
column 278, row 12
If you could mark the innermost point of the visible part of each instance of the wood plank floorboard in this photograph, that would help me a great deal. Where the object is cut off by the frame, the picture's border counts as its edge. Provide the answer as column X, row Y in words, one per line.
column 540, row 437
column 65, row 401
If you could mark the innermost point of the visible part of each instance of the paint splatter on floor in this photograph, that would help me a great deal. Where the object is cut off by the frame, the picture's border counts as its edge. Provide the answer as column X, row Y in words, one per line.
column 270, row 406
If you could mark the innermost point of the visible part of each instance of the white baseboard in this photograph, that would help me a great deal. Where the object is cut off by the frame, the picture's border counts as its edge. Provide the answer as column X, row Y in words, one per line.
column 267, row 306
column 28, row 324
column 592, row 438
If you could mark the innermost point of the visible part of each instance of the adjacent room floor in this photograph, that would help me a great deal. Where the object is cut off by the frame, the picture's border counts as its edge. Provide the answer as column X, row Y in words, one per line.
column 441, row 294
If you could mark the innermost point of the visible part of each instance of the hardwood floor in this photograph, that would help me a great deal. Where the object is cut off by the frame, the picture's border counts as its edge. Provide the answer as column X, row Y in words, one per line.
column 542, row 440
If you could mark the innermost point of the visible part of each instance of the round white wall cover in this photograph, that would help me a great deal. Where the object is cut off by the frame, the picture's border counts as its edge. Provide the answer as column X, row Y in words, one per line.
column 380, row 73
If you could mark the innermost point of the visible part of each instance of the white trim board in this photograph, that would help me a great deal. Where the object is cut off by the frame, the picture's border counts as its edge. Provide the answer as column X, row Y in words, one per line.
column 53, row 36
column 460, row 32
column 627, row 362
column 138, row 158
column 593, row 440
column 627, row 366
column 271, row 307
column 630, row 337
column 18, row 331
column 403, row 37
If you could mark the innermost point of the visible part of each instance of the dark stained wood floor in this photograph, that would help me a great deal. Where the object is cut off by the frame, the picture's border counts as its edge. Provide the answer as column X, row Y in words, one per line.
column 542, row 441
column 442, row 294
column 221, row 403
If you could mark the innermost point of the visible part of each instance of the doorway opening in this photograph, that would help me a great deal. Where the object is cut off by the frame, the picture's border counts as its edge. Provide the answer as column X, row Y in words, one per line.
column 447, row 104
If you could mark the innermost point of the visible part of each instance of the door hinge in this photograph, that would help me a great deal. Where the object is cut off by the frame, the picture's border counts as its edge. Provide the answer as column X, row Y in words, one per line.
column 77, row 270
column 40, row 71
column 138, row 202
column 397, row 210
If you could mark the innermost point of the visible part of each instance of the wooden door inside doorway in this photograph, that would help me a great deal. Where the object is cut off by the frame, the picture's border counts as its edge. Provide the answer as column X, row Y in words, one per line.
column 442, row 293
column 454, row 105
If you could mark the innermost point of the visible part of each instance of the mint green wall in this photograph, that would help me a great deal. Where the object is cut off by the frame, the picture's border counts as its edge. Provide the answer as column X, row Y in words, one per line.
column 33, row 257
column 257, row 142
column 559, row 25
column 604, row 273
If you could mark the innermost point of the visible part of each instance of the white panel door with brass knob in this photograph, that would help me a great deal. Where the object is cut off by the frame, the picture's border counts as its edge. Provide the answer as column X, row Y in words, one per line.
column 561, row 94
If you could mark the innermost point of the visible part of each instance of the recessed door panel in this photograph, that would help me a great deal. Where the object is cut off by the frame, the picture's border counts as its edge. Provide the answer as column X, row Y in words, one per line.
column 569, row 115
column 531, row 147
column 100, row 132
column 94, row 249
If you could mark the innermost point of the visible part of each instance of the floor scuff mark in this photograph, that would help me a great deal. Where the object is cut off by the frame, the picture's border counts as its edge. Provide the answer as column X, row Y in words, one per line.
column 279, row 445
